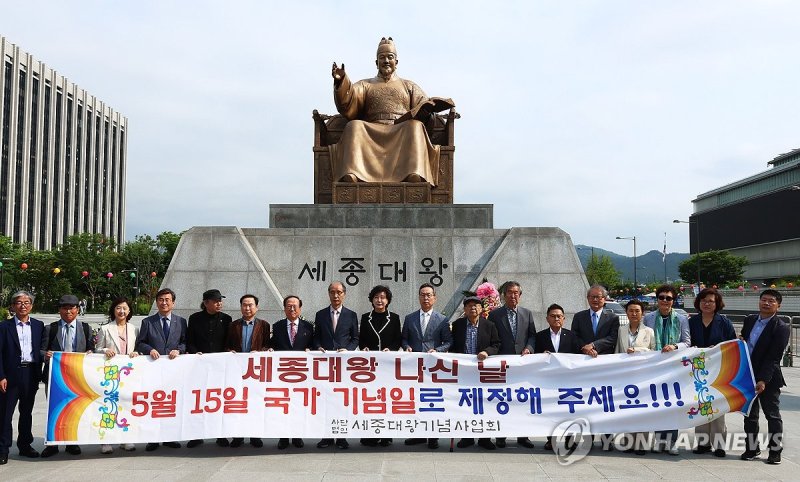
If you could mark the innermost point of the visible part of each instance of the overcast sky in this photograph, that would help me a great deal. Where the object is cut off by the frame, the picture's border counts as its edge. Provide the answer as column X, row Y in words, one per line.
column 604, row 118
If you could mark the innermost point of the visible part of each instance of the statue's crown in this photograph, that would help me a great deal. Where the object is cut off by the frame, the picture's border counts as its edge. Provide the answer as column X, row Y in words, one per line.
column 386, row 44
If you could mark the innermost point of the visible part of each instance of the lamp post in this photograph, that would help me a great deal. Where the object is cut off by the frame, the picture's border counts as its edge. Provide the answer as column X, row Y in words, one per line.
column 134, row 273
column 635, row 284
column 697, row 229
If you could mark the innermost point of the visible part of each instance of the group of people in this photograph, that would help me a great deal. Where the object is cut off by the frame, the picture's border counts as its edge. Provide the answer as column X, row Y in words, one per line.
column 26, row 346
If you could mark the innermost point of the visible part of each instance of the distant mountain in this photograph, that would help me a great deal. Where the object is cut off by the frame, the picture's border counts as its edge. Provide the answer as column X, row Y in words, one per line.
column 649, row 265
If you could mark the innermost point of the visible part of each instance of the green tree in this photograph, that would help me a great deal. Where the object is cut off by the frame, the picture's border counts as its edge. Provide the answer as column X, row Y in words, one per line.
column 716, row 267
column 601, row 271
column 96, row 256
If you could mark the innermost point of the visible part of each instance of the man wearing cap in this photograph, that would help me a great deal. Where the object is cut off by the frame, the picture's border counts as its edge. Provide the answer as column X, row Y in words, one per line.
column 472, row 335
column 163, row 333
column 20, row 372
column 335, row 329
column 207, row 332
column 65, row 335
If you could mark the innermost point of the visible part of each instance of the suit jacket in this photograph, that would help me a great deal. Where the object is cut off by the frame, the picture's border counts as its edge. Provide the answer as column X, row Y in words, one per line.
column 526, row 330
column 569, row 342
column 645, row 340
column 346, row 335
column 151, row 335
column 721, row 330
column 108, row 337
column 11, row 351
column 437, row 334
column 605, row 341
column 83, row 342
column 304, row 338
column 768, row 352
column 488, row 339
column 259, row 341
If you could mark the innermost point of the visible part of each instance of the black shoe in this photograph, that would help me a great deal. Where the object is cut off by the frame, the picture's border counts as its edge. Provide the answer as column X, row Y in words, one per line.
column 283, row 444
column 486, row 443
column 548, row 445
column 223, row 442
column 525, row 442
column 433, row 443
column 414, row 441
column 49, row 451
column 500, row 442
column 774, row 458
column 148, row 448
column 73, row 450
column 29, row 452
column 324, row 443
column 701, row 449
column 640, row 451
column 719, row 453
column 750, row 455
column 298, row 442
column 174, row 445
column 465, row 442
column 369, row 442
column 256, row 442
column 192, row 443
column 236, row 442
column 3, row 459
column 342, row 444
column 608, row 447
column 385, row 442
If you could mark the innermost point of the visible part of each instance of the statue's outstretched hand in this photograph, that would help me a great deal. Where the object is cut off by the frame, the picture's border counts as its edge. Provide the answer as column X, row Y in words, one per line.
column 337, row 73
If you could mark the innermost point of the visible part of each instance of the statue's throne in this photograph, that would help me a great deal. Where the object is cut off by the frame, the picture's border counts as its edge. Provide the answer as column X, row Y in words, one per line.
column 328, row 130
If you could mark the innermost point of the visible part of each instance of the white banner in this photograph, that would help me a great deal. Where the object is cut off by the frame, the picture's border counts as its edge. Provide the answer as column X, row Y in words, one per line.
column 368, row 394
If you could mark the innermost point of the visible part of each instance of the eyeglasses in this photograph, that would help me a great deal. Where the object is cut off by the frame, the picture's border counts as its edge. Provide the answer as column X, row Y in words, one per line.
column 556, row 317
column 333, row 292
column 23, row 303
column 769, row 301
column 426, row 295
column 665, row 298
column 596, row 297
column 708, row 302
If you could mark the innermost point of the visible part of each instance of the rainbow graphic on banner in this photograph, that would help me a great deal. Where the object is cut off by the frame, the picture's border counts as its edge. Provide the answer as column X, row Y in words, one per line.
column 69, row 397
column 735, row 378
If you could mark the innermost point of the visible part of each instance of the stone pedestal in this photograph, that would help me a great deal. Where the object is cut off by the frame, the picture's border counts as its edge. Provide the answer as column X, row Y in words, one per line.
column 307, row 247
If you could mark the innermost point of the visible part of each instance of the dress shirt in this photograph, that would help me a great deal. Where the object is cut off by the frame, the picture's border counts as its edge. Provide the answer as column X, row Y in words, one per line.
column 471, row 347
column 247, row 334
column 755, row 333
column 25, row 340
column 555, row 339
column 64, row 331
column 632, row 336
column 424, row 319
column 296, row 324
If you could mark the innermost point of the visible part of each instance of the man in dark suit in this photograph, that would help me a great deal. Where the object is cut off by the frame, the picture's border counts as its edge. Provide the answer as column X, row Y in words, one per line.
column 246, row 335
column 292, row 334
column 472, row 335
column 20, row 373
column 65, row 335
column 766, row 336
column 335, row 328
column 556, row 339
column 207, row 332
column 426, row 331
column 163, row 333
column 517, row 332
column 597, row 329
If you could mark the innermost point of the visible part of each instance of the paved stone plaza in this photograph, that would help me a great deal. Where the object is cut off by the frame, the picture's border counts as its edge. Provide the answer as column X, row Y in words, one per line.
column 399, row 462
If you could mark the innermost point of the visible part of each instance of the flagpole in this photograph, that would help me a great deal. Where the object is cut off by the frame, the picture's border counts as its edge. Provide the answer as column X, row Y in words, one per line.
column 665, row 258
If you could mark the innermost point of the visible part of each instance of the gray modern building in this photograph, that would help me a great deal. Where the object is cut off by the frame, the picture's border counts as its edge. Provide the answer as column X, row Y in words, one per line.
column 756, row 217
column 62, row 166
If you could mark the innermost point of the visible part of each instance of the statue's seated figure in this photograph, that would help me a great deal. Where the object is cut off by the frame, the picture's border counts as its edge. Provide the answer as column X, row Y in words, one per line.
column 391, row 132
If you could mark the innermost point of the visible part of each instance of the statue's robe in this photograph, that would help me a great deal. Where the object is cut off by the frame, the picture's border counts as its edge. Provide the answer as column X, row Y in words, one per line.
column 372, row 147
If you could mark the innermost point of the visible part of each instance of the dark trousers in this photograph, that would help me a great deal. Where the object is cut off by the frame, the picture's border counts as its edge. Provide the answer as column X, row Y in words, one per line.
column 24, row 392
column 770, row 402
column 666, row 437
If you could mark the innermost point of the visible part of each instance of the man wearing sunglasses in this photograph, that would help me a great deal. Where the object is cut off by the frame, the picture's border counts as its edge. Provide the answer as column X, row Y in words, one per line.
column 671, row 333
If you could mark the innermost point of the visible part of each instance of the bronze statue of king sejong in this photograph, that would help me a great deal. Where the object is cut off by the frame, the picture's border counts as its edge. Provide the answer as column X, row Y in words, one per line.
column 385, row 139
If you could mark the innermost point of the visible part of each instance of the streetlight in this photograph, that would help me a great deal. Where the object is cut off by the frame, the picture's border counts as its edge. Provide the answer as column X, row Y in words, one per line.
column 134, row 275
column 697, row 229
column 635, row 284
